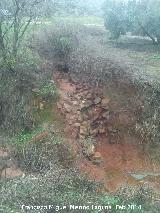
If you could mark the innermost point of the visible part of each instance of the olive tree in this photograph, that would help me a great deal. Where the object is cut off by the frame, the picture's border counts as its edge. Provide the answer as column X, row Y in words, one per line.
column 147, row 17
column 141, row 17
column 116, row 17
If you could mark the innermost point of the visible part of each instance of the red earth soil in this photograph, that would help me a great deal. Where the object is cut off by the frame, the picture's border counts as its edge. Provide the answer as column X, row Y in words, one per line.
column 118, row 160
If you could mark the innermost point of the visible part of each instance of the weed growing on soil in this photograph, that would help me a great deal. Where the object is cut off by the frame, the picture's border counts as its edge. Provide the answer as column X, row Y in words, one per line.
column 25, row 137
column 61, row 187
column 57, row 187
column 48, row 90
column 37, row 150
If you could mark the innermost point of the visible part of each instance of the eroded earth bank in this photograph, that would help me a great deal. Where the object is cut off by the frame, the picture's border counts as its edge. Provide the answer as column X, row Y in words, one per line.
column 99, row 129
column 106, row 114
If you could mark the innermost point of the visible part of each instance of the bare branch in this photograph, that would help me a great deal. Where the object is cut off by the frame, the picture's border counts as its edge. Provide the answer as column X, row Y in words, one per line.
column 7, row 29
column 24, row 29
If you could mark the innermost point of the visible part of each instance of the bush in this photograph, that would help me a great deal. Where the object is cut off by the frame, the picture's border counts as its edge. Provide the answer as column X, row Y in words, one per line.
column 57, row 43
column 16, row 92
column 37, row 150
column 62, row 45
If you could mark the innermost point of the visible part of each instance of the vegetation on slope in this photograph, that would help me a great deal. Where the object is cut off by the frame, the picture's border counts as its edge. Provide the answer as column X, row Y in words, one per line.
column 48, row 165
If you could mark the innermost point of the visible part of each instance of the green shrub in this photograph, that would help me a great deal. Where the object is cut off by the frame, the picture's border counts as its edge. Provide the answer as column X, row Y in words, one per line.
column 16, row 91
column 33, row 155
column 25, row 137
column 62, row 45
column 57, row 42
column 48, row 90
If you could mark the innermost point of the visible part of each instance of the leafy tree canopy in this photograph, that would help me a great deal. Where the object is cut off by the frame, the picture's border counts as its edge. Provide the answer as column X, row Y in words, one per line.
column 141, row 17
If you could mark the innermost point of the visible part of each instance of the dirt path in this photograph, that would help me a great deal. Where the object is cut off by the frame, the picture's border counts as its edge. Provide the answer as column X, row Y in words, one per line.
column 113, row 155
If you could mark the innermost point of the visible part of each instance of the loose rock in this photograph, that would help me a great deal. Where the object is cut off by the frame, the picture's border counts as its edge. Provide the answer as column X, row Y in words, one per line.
column 102, row 130
column 97, row 100
column 106, row 115
column 89, row 150
column 11, row 173
column 104, row 103
column 97, row 158
column 67, row 107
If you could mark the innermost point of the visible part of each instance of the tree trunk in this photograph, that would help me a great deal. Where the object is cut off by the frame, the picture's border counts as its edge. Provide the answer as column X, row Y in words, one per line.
column 147, row 33
column 158, row 39
column 2, row 47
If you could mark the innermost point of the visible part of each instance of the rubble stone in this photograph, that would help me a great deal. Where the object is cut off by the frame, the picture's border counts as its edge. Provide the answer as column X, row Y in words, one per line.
column 104, row 103
column 97, row 158
column 87, row 111
column 97, row 100
column 102, row 130
column 89, row 150
column 106, row 115
column 67, row 107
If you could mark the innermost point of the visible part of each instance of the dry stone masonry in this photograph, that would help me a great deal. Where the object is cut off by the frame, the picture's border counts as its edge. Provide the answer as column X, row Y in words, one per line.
column 86, row 111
